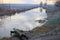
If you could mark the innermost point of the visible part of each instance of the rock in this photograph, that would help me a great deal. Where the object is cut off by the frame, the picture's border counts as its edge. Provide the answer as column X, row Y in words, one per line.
column 15, row 38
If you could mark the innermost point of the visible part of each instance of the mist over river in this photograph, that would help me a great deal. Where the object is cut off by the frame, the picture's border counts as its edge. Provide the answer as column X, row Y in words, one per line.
column 24, row 21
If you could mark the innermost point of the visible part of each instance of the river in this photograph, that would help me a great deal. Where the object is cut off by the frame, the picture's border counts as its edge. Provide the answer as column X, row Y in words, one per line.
column 24, row 21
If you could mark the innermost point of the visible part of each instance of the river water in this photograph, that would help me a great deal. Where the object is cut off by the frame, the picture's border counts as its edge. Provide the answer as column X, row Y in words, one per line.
column 24, row 21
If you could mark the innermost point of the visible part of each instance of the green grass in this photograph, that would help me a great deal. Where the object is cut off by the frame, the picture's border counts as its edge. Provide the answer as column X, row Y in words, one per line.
column 5, row 38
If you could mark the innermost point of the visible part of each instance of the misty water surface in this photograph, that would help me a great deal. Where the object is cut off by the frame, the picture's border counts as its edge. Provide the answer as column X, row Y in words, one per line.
column 24, row 21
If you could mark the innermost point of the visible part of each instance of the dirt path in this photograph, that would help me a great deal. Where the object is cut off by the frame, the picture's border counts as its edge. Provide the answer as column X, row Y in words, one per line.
column 57, row 37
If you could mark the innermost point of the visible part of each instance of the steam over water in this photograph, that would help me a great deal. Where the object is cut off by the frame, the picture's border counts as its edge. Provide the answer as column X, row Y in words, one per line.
column 24, row 21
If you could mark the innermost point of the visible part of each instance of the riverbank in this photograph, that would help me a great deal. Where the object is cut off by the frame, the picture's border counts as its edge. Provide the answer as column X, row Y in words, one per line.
column 40, row 30
column 5, row 38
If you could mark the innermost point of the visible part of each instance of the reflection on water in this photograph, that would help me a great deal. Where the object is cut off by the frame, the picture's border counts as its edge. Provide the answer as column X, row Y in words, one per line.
column 24, row 21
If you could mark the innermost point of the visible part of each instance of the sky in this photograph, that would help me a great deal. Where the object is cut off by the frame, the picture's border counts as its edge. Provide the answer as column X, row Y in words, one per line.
column 20, row 1
column 24, row 1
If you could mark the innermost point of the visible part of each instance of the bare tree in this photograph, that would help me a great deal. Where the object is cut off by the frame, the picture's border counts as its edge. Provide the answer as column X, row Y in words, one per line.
column 57, row 3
